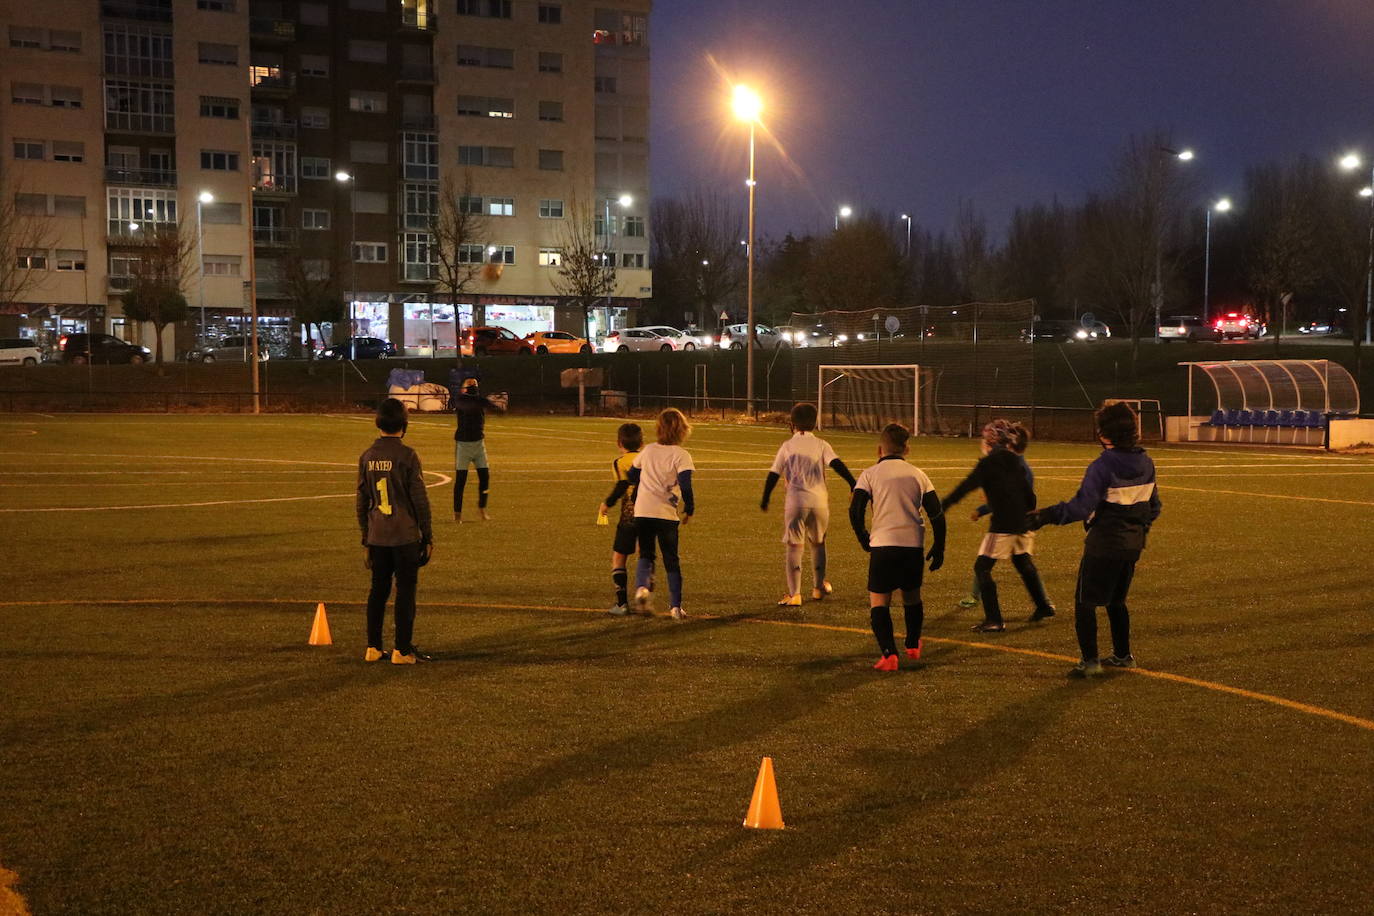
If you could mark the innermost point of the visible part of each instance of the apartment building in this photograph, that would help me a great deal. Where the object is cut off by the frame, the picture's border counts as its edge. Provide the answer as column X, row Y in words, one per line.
column 314, row 139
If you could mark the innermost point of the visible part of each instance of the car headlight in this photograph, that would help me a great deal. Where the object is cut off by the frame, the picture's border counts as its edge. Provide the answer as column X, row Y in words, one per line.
column 1081, row 335
column 842, row 338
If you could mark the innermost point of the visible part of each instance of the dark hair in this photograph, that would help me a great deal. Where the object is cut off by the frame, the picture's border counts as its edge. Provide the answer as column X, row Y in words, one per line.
column 630, row 436
column 1116, row 422
column 1022, row 439
column 391, row 416
column 894, row 438
column 804, row 416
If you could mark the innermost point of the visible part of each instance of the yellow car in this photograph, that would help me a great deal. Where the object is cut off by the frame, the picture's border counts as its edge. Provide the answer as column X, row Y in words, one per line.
column 556, row 342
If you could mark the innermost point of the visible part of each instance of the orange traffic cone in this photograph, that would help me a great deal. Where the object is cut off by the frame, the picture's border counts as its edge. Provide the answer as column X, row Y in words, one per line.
column 764, row 811
column 319, row 630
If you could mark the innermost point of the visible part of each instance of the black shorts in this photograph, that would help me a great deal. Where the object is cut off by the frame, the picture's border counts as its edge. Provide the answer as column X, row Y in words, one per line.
column 1105, row 579
column 626, row 538
column 892, row 569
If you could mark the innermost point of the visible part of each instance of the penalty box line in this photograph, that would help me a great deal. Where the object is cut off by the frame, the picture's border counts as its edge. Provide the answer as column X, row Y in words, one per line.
column 1283, row 702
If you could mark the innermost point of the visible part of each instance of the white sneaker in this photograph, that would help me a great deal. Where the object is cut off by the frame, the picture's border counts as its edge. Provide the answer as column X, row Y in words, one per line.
column 644, row 600
column 618, row 610
column 678, row 613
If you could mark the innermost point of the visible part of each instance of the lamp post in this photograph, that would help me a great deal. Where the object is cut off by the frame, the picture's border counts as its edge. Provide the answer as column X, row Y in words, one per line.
column 844, row 212
column 1157, row 290
column 906, row 218
column 205, row 198
column 624, row 200
column 748, row 106
column 1221, row 206
column 1350, row 162
column 343, row 178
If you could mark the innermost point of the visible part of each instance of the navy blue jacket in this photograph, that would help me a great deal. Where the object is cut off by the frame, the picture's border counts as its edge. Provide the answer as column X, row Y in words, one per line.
column 1118, row 501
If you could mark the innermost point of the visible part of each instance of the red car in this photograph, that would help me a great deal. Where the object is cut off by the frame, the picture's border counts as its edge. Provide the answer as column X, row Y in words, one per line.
column 483, row 340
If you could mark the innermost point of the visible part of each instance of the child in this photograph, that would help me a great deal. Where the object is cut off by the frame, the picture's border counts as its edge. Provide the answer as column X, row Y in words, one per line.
column 393, row 513
column 1117, row 502
column 630, row 439
column 898, row 492
column 470, row 446
column 1018, row 446
column 1003, row 475
column 662, row 474
column 806, row 512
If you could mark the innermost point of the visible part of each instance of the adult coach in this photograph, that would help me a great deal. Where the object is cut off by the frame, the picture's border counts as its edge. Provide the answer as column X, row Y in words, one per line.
column 470, row 445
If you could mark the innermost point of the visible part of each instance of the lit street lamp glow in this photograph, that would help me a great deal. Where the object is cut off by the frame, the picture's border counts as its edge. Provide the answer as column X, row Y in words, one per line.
column 1223, row 205
column 1367, row 192
column 1351, row 161
column 845, row 212
column 747, row 104
column 1186, row 155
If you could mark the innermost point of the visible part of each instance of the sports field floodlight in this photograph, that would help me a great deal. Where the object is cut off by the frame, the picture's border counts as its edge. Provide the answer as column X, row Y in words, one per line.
column 746, row 104
column 1351, row 161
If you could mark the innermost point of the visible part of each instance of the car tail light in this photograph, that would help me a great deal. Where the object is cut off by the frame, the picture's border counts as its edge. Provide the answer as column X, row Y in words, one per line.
column 62, row 342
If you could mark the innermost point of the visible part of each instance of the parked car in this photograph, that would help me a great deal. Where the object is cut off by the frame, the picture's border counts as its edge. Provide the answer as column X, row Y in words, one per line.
column 1319, row 329
column 1187, row 327
column 230, row 349
column 679, row 339
column 494, row 339
column 627, row 339
column 735, row 336
column 557, row 342
column 703, row 339
column 815, row 336
column 1239, row 324
column 360, row 348
column 1058, row 331
column 101, row 348
column 19, row 351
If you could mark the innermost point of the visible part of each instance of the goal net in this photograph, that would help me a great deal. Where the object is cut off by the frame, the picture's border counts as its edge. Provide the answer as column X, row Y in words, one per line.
column 867, row 398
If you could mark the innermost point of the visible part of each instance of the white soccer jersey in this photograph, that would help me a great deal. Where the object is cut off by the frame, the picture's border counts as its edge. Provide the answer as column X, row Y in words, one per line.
column 896, row 489
column 659, row 495
column 801, row 461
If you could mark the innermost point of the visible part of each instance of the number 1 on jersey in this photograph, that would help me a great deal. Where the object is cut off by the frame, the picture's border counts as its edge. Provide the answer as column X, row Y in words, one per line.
column 383, row 498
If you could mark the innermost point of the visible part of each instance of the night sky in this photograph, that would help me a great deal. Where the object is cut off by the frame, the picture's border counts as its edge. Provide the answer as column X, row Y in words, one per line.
column 911, row 106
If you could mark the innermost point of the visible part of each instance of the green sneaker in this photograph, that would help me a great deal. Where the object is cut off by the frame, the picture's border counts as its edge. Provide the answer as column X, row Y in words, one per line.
column 1086, row 668
column 1116, row 661
column 968, row 601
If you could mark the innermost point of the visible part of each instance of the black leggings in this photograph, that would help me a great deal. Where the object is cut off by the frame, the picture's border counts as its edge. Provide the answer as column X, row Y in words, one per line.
column 987, row 588
column 402, row 564
column 664, row 532
column 483, row 485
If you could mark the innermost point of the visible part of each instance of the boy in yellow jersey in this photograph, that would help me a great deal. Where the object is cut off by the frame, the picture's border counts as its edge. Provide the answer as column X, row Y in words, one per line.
column 630, row 438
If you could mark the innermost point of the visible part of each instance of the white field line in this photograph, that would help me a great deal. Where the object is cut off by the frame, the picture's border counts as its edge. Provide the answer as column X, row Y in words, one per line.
column 1250, row 493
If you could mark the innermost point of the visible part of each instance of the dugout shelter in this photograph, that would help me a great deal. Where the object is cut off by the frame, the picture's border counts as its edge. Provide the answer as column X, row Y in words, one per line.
column 1273, row 401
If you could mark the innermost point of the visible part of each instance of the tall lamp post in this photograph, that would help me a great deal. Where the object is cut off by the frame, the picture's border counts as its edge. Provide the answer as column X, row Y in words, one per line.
column 906, row 218
column 345, row 178
column 748, row 106
column 205, row 198
column 844, row 212
column 1157, row 291
column 1221, row 206
column 624, row 201
column 1350, row 162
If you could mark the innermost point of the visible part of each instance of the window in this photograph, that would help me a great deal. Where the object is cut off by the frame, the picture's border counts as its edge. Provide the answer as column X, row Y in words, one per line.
column 370, row 252
column 484, row 107
column 632, row 259
column 151, row 209
column 315, row 118
column 420, row 205
column 139, row 107
column 219, row 160
column 421, row 262
column 550, row 62
column 501, row 254
column 222, row 214
column 368, row 151
column 550, row 14
column 470, row 205
column 550, row 111
column 31, row 204
column 68, row 151
column 274, row 166
column 367, row 101
column 494, row 156
column 314, row 14
column 471, row 254
column 501, row 206
column 604, row 84
column 212, row 53
column 550, row 257
column 421, row 153
column 314, row 219
column 24, row 37
column 315, row 168
column 216, row 107
column 26, row 93
column 217, row 6
column 370, row 202
column 367, row 52
column 69, row 42
column 31, row 259
column 29, row 149
column 490, row 9
column 551, row 160
column 634, row 227
column 478, row 56
column 551, row 209
column 314, row 65
column 71, row 259
column 69, row 206
column 222, row 265
column 67, row 96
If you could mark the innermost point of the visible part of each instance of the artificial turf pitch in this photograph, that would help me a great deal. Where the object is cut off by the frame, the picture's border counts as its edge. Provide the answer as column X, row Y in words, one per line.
column 170, row 743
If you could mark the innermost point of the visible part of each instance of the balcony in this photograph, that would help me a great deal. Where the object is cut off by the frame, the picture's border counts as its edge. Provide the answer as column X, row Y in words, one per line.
column 274, row 184
column 140, row 10
column 271, row 80
column 282, row 129
column 141, row 178
column 264, row 29
column 120, row 284
column 273, row 237
column 417, row 73
column 418, row 122
column 139, row 122
column 418, row 16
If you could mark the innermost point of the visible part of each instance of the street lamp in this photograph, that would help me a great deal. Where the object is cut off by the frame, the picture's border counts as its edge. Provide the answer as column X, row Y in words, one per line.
column 1350, row 162
column 1157, row 291
column 1221, row 206
column 748, row 106
column 844, row 212
column 906, row 218
column 343, row 178
column 204, row 198
column 623, row 201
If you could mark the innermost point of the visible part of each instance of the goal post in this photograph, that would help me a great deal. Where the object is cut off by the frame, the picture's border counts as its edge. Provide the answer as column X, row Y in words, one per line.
column 867, row 398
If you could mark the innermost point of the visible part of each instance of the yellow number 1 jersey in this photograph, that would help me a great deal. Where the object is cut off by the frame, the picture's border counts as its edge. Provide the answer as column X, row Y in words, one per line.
column 392, row 504
column 622, row 466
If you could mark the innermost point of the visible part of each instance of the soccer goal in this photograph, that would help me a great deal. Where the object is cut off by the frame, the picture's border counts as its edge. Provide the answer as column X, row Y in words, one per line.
column 867, row 398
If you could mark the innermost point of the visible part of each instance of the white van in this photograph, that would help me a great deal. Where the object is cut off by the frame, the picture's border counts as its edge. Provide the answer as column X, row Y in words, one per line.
column 19, row 351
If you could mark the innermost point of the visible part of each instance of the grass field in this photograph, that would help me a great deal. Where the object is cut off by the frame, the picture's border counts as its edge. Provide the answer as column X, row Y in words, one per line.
column 170, row 743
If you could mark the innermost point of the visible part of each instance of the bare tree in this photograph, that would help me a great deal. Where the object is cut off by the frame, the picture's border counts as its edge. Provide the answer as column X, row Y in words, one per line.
column 312, row 286
column 457, row 230
column 1284, row 257
column 698, row 260
column 156, row 293
column 974, row 254
column 20, row 230
column 586, row 270
column 859, row 266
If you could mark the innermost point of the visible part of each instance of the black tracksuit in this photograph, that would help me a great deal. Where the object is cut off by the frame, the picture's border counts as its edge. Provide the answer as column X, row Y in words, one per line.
column 393, row 513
